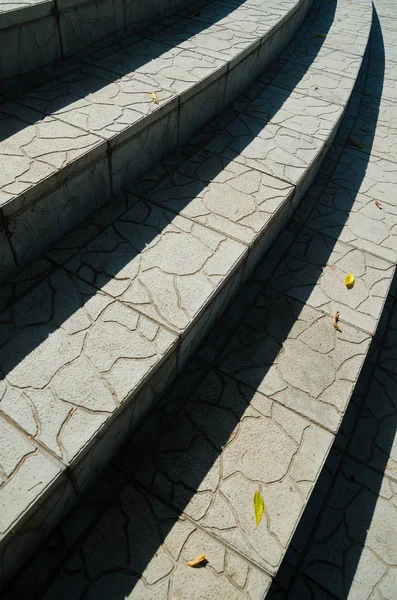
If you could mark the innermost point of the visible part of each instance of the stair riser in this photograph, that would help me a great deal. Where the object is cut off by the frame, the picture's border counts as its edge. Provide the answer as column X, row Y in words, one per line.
column 54, row 30
column 33, row 227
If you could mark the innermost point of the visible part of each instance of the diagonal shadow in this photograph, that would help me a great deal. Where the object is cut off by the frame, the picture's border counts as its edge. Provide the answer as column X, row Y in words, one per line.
column 94, row 71
column 129, row 236
column 266, row 340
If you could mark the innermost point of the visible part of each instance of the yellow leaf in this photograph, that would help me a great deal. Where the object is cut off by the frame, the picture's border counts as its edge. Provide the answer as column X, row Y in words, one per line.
column 155, row 99
column 197, row 562
column 349, row 280
column 258, row 507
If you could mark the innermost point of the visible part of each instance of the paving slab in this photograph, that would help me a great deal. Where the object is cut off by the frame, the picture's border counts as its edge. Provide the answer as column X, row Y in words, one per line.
column 33, row 149
column 353, row 550
column 273, row 149
column 212, row 468
column 329, row 87
column 211, row 40
column 141, row 260
column 323, row 59
column 308, row 115
column 313, row 271
column 373, row 176
column 223, row 194
column 373, row 441
column 292, row 353
column 45, row 351
column 147, row 547
column 354, row 219
column 244, row 18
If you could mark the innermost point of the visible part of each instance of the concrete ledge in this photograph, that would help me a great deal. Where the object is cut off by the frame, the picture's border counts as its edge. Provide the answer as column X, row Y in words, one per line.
column 99, row 123
column 90, row 349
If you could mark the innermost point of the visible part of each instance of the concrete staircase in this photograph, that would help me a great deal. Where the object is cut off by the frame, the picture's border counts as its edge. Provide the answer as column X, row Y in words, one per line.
column 97, row 324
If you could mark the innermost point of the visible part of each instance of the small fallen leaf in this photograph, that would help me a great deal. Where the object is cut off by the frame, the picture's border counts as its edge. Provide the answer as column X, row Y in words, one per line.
column 315, row 87
column 389, row 468
column 335, row 321
column 332, row 267
column 155, row 99
column 35, row 485
column 197, row 562
column 258, row 507
column 320, row 35
column 364, row 129
column 339, row 20
column 378, row 204
column 353, row 143
column 349, row 280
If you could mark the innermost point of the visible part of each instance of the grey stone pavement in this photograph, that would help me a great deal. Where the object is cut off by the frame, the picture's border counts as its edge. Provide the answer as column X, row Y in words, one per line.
column 183, row 485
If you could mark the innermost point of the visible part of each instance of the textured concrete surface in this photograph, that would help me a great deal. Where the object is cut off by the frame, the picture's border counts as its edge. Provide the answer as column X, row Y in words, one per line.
column 258, row 407
column 53, row 135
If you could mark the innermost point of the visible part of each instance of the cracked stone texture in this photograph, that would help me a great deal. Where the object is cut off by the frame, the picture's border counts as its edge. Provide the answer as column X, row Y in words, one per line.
column 389, row 344
column 384, row 47
column 164, row 265
column 138, row 14
column 313, row 271
column 15, row 12
column 353, row 552
column 353, row 42
column 223, row 194
column 30, row 46
column 324, row 59
column 292, row 354
column 244, row 19
column 147, row 547
column 212, row 468
column 303, row 114
column 211, row 40
column 382, row 141
column 369, row 174
column 379, row 111
column 105, row 109
column 354, row 219
column 70, row 357
column 33, row 230
column 156, row 64
column 269, row 148
column 83, row 25
column 34, row 149
column 143, row 151
column 24, row 279
column 25, row 473
column 329, row 87
column 373, row 441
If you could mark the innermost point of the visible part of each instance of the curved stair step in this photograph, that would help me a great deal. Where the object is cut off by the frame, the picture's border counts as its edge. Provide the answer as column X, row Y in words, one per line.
column 91, row 348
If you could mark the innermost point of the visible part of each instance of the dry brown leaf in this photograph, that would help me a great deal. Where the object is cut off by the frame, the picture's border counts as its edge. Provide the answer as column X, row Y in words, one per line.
column 155, row 99
column 335, row 321
column 364, row 129
column 320, row 35
column 197, row 562
column 353, row 143
column 315, row 87
column 378, row 204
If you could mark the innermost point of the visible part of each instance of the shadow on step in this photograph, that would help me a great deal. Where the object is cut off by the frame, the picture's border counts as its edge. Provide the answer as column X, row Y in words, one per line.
column 98, row 70
column 124, row 550
column 114, row 255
